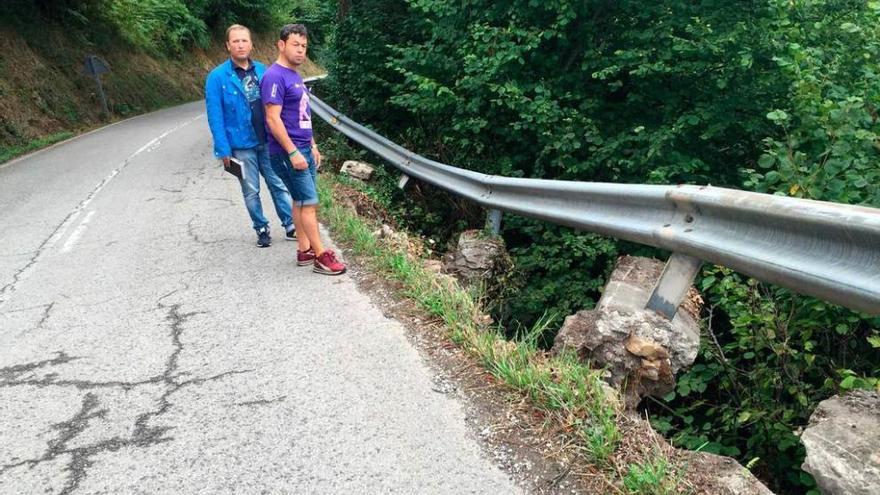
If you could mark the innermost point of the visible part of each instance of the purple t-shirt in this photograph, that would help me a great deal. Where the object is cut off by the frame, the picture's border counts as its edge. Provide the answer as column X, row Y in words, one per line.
column 285, row 87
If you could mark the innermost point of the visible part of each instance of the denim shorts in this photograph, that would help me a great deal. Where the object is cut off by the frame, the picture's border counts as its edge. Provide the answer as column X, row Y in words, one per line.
column 302, row 184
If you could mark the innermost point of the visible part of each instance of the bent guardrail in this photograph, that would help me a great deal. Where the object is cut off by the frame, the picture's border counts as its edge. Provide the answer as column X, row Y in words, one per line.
column 827, row 250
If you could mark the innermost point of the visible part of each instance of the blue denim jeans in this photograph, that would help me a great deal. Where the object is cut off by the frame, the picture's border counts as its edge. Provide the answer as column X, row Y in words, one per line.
column 302, row 184
column 256, row 162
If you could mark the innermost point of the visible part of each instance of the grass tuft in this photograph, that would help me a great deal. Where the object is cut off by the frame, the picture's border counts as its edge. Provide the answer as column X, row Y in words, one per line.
column 650, row 478
column 11, row 152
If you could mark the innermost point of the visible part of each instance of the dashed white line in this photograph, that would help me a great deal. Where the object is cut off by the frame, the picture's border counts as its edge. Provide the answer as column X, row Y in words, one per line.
column 59, row 231
column 77, row 233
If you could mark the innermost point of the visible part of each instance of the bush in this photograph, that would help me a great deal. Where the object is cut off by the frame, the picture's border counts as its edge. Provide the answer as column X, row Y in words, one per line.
column 777, row 97
column 158, row 26
column 258, row 15
column 768, row 357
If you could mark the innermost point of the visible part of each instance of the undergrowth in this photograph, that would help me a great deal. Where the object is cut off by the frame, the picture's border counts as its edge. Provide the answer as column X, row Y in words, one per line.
column 9, row 152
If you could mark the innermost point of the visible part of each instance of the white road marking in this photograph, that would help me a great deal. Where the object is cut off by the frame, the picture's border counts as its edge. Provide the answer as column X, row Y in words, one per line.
column 59, row 231
column 77, row 233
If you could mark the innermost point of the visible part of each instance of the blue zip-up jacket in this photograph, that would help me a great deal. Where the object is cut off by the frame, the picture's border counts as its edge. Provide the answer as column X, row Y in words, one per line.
column 229, row 113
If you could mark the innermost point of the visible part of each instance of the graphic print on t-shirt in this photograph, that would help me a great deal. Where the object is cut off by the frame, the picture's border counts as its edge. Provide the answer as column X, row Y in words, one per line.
column 251, row 87
column 305, row 120
column 284, row 86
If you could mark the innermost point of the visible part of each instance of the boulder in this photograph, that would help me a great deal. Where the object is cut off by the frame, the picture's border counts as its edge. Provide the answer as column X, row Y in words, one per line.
column 640, row 349
column 477, row 257
column 399, row 241
column 725, row 475
column 383, row 232
column 358, row 170
column 843, row 444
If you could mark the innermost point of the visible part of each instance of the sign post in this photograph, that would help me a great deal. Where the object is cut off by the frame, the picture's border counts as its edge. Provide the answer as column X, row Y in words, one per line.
column 95, row 67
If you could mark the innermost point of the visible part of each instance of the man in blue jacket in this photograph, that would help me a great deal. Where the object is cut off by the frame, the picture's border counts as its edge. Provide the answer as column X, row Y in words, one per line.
column 237, row 122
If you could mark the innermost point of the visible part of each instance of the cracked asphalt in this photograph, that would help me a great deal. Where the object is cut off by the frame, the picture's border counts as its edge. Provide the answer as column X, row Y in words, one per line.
column 147, row 346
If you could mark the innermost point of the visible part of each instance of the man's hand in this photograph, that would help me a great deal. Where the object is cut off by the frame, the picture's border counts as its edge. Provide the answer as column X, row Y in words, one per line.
column 225, row 160
column 317, row 155
column 299, row 162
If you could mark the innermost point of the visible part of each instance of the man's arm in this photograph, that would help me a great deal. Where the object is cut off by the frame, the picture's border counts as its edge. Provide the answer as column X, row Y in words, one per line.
column 214, row 106
column 276, row 127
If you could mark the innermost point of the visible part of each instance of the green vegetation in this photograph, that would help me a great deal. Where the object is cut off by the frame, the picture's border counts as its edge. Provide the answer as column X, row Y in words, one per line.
column 774, row 96
column 651, row 478
column 160, row 27
column 7, row 154
column 158, row 52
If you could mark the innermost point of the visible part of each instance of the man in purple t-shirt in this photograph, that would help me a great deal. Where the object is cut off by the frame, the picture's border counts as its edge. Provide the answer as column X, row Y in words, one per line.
column 292, row 149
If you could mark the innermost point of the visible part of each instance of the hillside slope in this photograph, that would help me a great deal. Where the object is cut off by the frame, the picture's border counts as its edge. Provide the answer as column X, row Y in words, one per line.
column 44, row 91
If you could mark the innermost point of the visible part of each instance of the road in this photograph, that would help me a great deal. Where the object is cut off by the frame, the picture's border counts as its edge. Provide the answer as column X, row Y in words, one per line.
column 147, row 346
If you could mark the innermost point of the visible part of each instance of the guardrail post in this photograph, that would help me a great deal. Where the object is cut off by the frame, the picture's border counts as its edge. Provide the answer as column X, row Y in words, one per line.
column 674, row 282
column 493, row 221
column 401, row 182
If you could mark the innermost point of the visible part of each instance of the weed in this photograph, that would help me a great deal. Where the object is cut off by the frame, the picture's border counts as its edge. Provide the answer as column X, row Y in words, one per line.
column 649, row 478
column 11, row 152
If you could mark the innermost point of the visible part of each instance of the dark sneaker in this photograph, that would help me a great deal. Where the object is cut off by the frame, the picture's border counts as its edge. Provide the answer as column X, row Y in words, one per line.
column 305, row 258
column 327, row 264
column 291, row 234
column 263, row 238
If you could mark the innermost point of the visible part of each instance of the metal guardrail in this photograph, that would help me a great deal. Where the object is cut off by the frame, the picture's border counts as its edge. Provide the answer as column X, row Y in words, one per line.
column 827, row 250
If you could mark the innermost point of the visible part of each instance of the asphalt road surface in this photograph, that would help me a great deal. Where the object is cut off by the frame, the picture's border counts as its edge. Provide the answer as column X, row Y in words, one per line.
column 147, row 345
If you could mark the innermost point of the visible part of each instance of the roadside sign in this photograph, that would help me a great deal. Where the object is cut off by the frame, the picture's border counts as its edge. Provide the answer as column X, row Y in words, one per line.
column 94, row 67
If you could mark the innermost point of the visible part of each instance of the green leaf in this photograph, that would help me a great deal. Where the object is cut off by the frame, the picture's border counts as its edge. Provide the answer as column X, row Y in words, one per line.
column 772, row 177
column 850, row 27
column 778, row 116
column 807, row 479
column 766, row 161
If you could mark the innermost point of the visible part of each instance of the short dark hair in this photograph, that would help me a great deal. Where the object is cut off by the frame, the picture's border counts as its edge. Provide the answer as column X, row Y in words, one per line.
column 289, row 29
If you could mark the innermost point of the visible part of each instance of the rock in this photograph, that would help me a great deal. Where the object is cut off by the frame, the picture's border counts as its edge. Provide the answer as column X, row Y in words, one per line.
column 843, row 444
column 727, row 476
column 612, row 396
column 646, row 348
column 483, row 320
column 641, row 350
column 435, row 266
column 601, row 337
column 358, row 170
column 384, row 232
column 476, row 258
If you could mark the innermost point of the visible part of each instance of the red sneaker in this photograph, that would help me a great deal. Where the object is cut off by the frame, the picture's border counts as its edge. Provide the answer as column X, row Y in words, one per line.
column 327, row 264
column 305, row 258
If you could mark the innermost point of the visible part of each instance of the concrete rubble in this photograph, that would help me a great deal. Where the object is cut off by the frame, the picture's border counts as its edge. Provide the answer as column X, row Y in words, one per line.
column 641, row 350
column 843, row 444
column 358, row 170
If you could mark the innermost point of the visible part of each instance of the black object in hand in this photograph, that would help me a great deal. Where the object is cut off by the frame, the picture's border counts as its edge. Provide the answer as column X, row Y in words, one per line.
column 234, row 167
